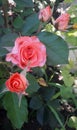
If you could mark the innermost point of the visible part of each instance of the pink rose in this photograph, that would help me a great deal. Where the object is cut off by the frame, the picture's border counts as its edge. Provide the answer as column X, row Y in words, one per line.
column 17, row 83
column 45, row 14
column 62, row 21
column 28, row 52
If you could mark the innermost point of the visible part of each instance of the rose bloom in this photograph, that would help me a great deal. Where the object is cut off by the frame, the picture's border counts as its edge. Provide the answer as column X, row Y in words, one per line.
column 28, row 52
column 62, row 21
column 45, row 14
column 17, row 83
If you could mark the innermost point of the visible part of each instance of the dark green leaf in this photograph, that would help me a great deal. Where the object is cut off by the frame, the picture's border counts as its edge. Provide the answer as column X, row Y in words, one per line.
column 57, row 49
column 24, row 3
column 33, row 85
column 18, row 22
column 31, row 24
column 7, row 41
column 43, row 115
column 20, row 4
column 47, row 92
column 55, row 117
column 27, row 12
column 54, row 103
column 28, row 3
column 37, row 71
column 40, row 115
column 17, row 115
column 36, row 102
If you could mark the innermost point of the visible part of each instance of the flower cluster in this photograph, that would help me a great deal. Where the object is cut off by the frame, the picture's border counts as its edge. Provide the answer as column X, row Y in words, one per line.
column 61, row 22
column 28, row 52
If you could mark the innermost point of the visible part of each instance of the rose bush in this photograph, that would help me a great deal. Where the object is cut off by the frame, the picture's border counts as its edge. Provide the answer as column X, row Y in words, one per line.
column 28, row 52
column 33, row 55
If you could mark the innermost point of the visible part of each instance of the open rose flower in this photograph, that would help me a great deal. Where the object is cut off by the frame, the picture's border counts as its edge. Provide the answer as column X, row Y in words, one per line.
column 62, row 21
column 17, row 83
column 28, row 52
column 45, row 14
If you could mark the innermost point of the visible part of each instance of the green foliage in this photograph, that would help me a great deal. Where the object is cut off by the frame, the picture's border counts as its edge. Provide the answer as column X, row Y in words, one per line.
column 57, row 49
column 58, row 79
column 28, row 3
column 36, row 102
column 45, row 115
column 47, row 93
column 31, row 24
column 67, row 78
column 24, row 3
column 56, row 115
column 33, row 85
column 17, row 115
column 18, row 22
column 66, row 92
column 71, row 37
column 7, row 41
column 3, row 69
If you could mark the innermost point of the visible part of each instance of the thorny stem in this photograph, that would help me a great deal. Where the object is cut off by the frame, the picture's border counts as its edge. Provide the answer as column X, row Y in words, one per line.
column 5, row 8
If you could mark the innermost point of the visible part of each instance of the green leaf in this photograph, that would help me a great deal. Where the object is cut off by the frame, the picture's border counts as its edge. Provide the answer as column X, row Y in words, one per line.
column 43, row 115
column 40, row 115
column 33, row 85
column 37, row 71
column 36, row 102
column 31, row 24
column 7, row 41
column 67, row 78
column 24, row 3
column 56, row 115
column 27, row 12
column 28, row 3
column 18, row 22
column 17, row 115
column 54, row 103
column 47, row 92
column 57, row 49
column 66, row 92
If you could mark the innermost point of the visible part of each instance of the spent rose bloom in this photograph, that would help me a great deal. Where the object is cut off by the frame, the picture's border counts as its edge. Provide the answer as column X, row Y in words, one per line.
column 45, row 14
column 17, row 83
column 62, row 21
column 28, row 52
